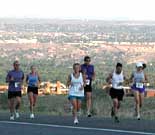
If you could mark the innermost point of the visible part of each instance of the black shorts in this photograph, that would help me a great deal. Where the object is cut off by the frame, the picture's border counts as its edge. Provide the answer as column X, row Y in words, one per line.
column 115, row 93
column 14, row 94
column 88, row 88
column 34, row 90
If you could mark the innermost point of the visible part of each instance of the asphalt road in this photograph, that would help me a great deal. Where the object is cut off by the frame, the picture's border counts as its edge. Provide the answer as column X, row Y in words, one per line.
column 63, row 125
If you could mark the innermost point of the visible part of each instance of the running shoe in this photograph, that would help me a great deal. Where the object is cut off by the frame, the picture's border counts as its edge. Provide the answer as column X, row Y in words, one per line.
column 89, row 114
column 116, row 119
column 17, row 115
column 138, row 117
column 31, row 116
column 12, row 117
column 76, row 121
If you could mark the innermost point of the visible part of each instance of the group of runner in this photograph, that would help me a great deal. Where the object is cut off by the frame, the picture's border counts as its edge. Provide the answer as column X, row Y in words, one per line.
column 15, row 80
column 138, row 80
column 80, row 86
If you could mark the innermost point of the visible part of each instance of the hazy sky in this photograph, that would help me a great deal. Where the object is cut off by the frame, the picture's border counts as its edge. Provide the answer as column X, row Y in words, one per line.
column 86, row 9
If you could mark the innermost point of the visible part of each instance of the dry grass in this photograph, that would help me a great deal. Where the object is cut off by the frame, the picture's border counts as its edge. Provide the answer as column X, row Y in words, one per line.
column 59, row 105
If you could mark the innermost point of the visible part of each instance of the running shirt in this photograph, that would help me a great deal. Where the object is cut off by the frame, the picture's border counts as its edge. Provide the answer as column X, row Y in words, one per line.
column 117, row 79
column 76, row 84
column 89, row 70
column 138, row 78
column 33, row 80
column 16, row 84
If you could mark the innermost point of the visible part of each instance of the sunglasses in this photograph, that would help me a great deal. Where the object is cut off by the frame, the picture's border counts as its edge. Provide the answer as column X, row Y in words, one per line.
column 87, row 60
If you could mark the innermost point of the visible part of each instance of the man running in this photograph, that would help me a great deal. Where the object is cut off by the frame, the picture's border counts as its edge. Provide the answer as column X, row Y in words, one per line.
column 116, row 78
column 88, row 70
column 14, row 79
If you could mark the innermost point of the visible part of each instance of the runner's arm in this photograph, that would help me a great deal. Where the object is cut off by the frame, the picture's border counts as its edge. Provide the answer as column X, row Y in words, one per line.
column 109, row 78
column 68, row 81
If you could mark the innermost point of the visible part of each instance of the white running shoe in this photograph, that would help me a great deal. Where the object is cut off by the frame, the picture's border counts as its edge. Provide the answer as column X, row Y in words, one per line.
column 88, row 114
column 12, row 117
column 17, row 115
column 138, row 117
column 31, row 116
column 76, row 121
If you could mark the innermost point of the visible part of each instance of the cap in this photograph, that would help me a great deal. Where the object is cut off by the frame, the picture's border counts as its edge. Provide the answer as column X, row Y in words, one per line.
column 139, row 64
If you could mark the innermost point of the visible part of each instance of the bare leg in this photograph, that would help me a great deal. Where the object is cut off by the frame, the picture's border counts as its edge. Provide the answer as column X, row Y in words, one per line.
column 141, row 99
column 34, row 99
column 115, row 106
column 88, row 101
column 74, row 104
column 18, row 103
column 137, row 103
column 31, row 100
column 11, row 105
column 78, row 105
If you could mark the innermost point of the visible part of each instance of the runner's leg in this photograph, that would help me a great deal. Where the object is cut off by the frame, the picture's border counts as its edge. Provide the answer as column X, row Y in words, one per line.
column 89, row 102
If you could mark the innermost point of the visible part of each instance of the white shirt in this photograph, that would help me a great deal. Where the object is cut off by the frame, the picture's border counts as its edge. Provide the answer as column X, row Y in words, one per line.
column 76, row 84
column 116, row 79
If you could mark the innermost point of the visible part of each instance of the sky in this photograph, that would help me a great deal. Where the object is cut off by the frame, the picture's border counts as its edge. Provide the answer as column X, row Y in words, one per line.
column 79, row 9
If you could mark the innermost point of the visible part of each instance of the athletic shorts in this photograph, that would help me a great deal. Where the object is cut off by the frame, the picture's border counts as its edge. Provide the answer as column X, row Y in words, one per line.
column 14, row 94
column 70, row 97
column 134, row 88
column 34, row 90
column 88, row 88
column 115, row 93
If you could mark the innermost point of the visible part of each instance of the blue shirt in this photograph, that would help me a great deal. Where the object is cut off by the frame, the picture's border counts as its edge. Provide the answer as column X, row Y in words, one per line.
column 88, row 69
column 33, row 80
column 18, row 77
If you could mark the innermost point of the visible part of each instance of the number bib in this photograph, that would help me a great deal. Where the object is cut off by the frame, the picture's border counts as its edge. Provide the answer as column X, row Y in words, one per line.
column 87, row 81
column 139, row 85
column 16, row 84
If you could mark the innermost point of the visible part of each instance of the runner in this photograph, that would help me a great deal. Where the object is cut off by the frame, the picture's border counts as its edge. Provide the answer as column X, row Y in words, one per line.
column 116, row 78
column 33, row 80
column 138, row 79
column 76, row 90
column 88, row 70
column 14, row 79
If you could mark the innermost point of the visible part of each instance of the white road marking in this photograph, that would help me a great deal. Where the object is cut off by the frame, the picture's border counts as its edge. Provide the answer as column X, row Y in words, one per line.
column 81, row 128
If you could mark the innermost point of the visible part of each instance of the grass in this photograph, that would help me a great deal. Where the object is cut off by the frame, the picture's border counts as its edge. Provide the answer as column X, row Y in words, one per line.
column 59, row 105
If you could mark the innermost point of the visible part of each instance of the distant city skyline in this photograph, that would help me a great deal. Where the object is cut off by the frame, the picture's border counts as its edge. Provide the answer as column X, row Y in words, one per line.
column 79, row 9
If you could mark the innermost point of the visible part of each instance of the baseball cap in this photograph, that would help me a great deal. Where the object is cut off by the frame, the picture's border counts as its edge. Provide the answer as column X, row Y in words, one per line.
column 139, row 64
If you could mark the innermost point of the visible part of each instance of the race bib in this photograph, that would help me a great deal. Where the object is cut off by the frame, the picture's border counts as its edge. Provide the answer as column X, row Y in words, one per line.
column 117, row 86
column 87, row 81
column 76, row 89
column 139, row 85
column 16, row 84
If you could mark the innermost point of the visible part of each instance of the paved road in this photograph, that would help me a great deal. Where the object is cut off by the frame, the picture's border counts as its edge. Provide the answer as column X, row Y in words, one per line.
column 55, row 125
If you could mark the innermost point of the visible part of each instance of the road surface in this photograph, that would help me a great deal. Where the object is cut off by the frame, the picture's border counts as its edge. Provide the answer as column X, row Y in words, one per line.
column 63, row 125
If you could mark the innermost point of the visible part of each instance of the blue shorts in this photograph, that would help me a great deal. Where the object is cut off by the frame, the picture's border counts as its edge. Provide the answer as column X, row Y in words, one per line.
column 70, row 97
column 134, row 88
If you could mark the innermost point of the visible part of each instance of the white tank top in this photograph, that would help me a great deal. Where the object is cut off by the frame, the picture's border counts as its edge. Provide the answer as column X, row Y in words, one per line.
column 116, row 79
column 76, row 84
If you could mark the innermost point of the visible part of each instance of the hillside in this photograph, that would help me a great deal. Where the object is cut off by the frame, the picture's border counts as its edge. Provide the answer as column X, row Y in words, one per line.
column 55, row 60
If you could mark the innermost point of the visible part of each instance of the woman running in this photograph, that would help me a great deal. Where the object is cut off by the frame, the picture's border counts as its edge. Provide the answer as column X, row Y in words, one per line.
column 76, row 90
column 33, row 80
column 138, row 79
column 116, row 78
